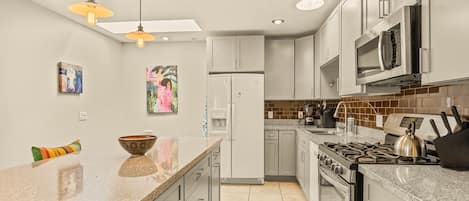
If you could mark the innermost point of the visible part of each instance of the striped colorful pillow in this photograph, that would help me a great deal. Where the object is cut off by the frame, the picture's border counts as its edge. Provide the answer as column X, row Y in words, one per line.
column 41, row 153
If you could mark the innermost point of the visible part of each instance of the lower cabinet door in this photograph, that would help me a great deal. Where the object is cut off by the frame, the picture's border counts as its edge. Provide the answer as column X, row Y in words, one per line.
column 174, row 193
column 373, row 191
column 287, row 153
column 202, row 191
column 271, row 158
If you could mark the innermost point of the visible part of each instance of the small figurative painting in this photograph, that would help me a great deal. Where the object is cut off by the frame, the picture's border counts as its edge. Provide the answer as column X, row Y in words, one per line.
column 162, row 88
column 70, row 78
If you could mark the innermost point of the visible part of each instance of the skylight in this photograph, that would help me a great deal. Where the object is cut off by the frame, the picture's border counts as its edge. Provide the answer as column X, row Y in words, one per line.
column 153, row 26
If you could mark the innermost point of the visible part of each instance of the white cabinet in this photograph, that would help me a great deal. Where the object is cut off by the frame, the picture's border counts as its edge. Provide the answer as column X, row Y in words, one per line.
column 329, row 38
column 287, row 153
column 313, row 172
column 373, row 191
column 351, row 19
column 271, row 151
column 174, row 193
column 235, row 54
column 374, row 11
column 279, row 69
column 445, row 40
column 280, row 147
column 301, row 159
column 304, row 68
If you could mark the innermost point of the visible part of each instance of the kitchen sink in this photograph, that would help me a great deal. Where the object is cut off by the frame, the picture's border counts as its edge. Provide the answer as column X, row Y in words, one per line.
column 321, row 131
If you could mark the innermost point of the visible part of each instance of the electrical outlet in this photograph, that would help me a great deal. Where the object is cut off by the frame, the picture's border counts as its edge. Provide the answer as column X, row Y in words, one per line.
column 300, row 115
column 449, row 101
column 83, row 116
column 379, row 121
column 270, row 114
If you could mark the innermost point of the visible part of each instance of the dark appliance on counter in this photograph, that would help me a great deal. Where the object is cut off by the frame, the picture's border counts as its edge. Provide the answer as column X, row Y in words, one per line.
column 309, row 114
column 327, row 118
column 453, row 148
column 339, row 162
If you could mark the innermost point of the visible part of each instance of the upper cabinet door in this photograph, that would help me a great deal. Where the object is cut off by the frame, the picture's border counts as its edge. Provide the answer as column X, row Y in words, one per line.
column 304, row 68
column 333, row 35
column 222, row 53
column 279, row 69
column 351, row 30
column 250, row 53
column 445, row 40
column 375, row 11
column 329, row 38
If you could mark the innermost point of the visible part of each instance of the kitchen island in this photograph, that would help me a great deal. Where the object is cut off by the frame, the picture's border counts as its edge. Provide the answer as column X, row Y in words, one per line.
column 182, row 168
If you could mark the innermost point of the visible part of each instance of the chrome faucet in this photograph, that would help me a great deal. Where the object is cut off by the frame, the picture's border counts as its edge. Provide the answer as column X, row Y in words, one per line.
column 336, row 113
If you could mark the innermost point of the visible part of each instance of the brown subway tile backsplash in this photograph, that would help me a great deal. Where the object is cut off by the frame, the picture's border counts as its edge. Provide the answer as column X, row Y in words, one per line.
column 416, row 99
column 289, row 109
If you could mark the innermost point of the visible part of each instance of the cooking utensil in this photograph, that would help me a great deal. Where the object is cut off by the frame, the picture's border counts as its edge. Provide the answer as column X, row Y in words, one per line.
column 435, row 129
column 409, row 145
column 456, row 116
column 446, row 122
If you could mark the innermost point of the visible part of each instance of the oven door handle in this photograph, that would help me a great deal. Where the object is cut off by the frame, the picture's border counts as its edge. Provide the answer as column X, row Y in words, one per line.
column 336, row 184
column 380, row 50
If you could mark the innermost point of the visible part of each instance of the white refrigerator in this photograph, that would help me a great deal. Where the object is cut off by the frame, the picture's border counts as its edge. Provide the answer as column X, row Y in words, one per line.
column 236, row 112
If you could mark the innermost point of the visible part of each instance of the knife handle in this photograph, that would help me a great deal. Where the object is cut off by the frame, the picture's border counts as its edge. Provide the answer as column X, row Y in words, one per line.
column 456, row 115
column 435, row 129
column 446, row 122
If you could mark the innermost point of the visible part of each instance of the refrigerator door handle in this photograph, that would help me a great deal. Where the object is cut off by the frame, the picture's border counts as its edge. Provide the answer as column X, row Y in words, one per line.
column 232, row 119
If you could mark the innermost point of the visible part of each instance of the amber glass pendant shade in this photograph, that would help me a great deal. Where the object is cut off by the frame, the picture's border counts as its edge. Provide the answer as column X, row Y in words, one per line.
column 91, row 10
column 140, row 36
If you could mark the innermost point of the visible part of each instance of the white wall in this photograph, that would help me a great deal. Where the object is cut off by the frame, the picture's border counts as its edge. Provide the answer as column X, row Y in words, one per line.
column 33, row 41
column 32, row 112
column 190, row 59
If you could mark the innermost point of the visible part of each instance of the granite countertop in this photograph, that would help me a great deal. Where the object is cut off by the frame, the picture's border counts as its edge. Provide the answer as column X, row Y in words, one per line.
column 364, row 134
column 420, row 182
column 89, row 176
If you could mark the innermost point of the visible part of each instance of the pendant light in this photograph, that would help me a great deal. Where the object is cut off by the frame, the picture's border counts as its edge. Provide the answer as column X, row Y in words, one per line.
column 91, row 10
column 140, row 36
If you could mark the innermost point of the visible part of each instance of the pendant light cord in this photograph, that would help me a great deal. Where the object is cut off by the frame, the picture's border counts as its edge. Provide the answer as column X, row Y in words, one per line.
column 140, row 12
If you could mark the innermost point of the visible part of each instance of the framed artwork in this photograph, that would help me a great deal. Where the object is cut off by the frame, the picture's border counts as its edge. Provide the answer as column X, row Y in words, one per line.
column 162, row 89
column 70, row 78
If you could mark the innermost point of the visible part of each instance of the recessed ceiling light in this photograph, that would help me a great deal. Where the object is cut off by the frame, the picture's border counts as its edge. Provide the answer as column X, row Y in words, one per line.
column 309, row 4
column 165, row 38
column 152, row 26
column 278, row 21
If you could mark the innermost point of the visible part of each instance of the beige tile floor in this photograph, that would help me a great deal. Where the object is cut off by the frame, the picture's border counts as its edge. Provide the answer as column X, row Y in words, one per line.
column 270, row 191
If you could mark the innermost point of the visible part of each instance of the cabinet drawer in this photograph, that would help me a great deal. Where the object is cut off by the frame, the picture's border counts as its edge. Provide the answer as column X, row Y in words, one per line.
column 271, row 135
column 216, row 157
column 196, row 176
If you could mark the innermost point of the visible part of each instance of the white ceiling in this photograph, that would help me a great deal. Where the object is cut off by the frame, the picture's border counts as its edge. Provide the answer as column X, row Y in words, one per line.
column 215, row 17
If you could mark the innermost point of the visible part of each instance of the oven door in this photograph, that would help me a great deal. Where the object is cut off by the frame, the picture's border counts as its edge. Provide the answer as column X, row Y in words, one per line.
column 334, row 188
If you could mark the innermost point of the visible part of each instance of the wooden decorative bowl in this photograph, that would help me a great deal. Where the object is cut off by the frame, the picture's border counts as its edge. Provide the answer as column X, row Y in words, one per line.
column 137, row 144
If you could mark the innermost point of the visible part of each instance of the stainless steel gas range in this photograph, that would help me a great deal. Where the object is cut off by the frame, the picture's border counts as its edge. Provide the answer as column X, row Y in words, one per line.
column 338, row 163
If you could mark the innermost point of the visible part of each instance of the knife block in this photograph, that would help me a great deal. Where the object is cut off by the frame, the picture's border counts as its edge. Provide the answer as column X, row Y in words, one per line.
column 453, row 150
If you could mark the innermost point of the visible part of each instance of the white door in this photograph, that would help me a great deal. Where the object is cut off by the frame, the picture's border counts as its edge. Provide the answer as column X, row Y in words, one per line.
column 445, row 37
column 219, row 107
column 332, row 38
column 279, row 69
column 314, row 172
column 223, row 54
column 304, row 68
column 250, row 53
column 351, row 30
column 248, row 126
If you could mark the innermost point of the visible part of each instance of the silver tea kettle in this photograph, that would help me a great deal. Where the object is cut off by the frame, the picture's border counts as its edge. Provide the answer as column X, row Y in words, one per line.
column 409, row 145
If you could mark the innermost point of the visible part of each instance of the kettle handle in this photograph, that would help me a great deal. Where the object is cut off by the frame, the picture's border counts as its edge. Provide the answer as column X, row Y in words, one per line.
column 411, row 128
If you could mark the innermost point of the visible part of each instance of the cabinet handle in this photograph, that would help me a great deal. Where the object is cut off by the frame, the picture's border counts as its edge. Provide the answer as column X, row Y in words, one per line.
column 200, row 199
column 424, row 60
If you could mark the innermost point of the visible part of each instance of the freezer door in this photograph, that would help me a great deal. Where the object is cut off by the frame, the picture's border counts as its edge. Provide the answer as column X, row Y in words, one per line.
column 219, row 117
column 247, row 126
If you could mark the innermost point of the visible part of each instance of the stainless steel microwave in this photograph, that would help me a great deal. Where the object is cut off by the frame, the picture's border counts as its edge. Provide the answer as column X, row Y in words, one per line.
column 388, row 53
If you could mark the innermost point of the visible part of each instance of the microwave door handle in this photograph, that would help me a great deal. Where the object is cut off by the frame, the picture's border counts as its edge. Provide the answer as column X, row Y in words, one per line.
column 380, row 51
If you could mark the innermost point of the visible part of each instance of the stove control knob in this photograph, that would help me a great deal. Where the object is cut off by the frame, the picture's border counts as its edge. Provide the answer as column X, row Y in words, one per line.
column 322, row 157
column 328, row 161
column 338, row 170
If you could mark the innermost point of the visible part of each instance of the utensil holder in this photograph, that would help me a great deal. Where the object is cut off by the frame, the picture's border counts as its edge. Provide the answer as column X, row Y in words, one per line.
column 453, row 150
